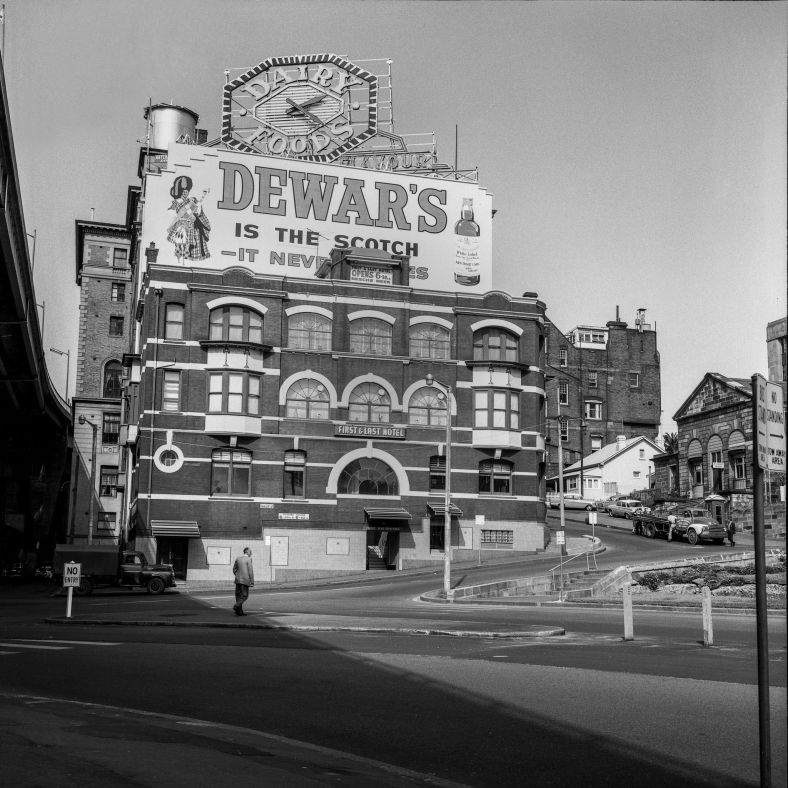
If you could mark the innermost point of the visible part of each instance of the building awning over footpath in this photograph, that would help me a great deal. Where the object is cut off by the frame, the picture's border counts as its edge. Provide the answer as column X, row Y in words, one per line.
column 185, row 528
column 436, row 509
column 378, row 517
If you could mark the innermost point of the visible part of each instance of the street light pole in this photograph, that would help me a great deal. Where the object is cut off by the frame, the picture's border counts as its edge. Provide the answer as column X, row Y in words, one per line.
column 91, row 523
column 446, row 493
column 582, row 454
column 67, row 354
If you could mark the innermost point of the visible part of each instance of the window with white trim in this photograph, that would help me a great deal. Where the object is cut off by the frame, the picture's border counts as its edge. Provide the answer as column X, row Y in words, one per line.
column 234, row 392
column 593, row 379
column 171, row 390
column 593, row 410
column 235, row 324
column 427, row 407
column 563, row 429
column 294, row 474
column 563, row 393
column 429, row 340
column 634, row 380
column 307, row 399
column 369, row 402
column 495, row 477
column 231, row 472
column 110, row 428
column 108, row 482
column 494, row 344
column 596, row 442
column 497, row 409
column 370, row 335
column 497, row 537
column 118, row 293
column 562, row 357
column 437, row 473
column 173, row 321
column 309, row 331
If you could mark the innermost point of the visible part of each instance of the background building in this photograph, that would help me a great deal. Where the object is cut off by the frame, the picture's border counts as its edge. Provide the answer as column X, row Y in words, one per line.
column 606, row 382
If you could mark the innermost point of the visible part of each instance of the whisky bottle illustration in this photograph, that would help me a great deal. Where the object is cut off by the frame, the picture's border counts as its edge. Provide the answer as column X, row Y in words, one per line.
column 466, row 259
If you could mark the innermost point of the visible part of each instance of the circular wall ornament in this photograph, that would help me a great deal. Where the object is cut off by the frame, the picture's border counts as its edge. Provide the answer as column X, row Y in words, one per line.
column 168, row 459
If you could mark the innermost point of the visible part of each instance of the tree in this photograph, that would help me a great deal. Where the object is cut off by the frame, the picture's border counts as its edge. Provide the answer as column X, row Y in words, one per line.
column 670, row 440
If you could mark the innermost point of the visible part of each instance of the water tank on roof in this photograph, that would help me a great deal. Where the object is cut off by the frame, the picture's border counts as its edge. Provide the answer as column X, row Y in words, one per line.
column 170, row 123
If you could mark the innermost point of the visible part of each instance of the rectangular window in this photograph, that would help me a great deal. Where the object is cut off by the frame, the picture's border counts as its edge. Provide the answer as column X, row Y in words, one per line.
column 120, row 258
column 696, row 471
column 497, row 537
column 563, row 393
column 642, row 454
column 563, row 429
column 572, row 484
column 437, row 534
column 495, row 477
column 108, row 484
column 739, row 470
column 110, row 428
column 437, row 473
column 562, row 359
column 173, row 321
column 295, row 467
column 171, row 390
column 596, row 442
column 634, row 380
column 106, row 521
column 497, row 409
column 234, row 392
column 635, row 474
column 231, row 472
column 118, row 291
column 592, row 379
column 116, row 326
column 594, row 411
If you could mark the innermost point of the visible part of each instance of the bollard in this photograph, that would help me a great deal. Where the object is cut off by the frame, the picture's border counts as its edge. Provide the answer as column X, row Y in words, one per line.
column 628, row 630
column 708, row 630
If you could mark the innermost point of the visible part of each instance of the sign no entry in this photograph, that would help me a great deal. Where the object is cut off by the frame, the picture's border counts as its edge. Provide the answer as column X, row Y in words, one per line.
column 72, row 573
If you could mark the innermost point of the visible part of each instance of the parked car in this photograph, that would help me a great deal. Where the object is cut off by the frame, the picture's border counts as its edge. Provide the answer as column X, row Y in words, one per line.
column 570, row 502
column 626, row 507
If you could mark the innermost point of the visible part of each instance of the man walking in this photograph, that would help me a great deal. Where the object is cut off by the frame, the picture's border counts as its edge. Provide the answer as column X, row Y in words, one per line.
column 244, row 580
column 732, row 532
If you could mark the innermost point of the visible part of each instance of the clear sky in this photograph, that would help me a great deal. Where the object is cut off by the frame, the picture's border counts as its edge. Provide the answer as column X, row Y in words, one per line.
column 636, row 151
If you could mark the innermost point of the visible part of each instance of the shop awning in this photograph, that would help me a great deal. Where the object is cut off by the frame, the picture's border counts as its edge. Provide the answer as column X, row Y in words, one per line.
column 185, row 528
column 440, row 509
column 387, row 513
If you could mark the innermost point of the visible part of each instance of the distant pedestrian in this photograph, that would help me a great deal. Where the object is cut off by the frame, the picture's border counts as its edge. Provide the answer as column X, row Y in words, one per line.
column 672, row 521
column 244, row 580
column 732, row 532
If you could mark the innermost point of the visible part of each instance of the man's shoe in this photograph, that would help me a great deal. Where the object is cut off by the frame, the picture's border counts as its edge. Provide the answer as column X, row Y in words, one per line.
column 236, row 611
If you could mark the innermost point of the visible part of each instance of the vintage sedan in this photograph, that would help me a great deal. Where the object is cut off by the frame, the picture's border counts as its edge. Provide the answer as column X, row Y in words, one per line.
column 571, row 502
column 626, row 507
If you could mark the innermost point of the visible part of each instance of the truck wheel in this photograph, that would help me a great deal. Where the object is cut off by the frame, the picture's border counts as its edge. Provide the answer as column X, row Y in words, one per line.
column 649, row 530
column 692, row 537
column 85, row 587
column 155, row 585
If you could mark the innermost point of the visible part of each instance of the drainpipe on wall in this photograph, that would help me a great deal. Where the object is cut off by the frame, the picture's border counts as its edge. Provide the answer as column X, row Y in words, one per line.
column 157, row 292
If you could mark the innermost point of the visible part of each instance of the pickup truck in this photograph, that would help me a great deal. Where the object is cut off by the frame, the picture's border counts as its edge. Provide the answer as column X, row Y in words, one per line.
column 691, row 523
column 107, row 565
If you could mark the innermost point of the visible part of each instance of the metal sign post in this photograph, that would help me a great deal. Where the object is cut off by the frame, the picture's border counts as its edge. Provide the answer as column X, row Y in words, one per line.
column 72, row 576
column 762, row 420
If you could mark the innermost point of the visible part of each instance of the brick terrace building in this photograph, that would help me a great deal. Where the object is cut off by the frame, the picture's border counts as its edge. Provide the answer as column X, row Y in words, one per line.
column 608, row 383
column 295, row 416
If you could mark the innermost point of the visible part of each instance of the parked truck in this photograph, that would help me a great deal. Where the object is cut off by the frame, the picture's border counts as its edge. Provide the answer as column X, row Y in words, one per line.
column 108, row 565
column 690, row 523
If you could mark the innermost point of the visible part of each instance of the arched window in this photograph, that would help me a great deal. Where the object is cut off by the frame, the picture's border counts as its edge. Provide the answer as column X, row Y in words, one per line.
column 309, row 331
column 235, row 324
column 428, row 340
column 494, row 344
column 112, row 376
column 428, row 407
column 231, row 471
column 370, row 335
column 307, row 399
column 369, row 402
column 368, row 476
column 495, row 476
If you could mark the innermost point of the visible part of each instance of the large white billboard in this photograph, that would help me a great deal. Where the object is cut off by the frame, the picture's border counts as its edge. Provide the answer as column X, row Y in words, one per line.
column 215, row 209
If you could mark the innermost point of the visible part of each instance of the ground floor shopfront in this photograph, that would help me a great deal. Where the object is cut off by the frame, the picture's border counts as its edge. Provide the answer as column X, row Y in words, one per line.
column 286, row 547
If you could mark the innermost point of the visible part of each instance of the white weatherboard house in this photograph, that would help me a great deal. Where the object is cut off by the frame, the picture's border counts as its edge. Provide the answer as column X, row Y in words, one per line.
column 616, row 469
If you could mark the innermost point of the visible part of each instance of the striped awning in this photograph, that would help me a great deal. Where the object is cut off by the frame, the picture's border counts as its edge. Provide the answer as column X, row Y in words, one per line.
column 185, row 528
column 387, row 513
column 440, row 509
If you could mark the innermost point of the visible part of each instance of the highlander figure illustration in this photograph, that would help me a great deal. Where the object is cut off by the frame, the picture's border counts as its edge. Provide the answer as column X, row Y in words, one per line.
column 190, row 228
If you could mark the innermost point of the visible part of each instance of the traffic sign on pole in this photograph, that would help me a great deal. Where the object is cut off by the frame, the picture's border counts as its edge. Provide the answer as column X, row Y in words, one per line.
column 72, row 574
column 770, row 425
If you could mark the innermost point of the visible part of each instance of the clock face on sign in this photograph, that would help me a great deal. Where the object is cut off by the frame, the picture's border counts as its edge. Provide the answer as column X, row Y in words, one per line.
column 314, row 107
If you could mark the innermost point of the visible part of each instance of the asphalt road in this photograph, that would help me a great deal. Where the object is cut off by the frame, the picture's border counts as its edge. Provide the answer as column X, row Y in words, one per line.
column 116, row 705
